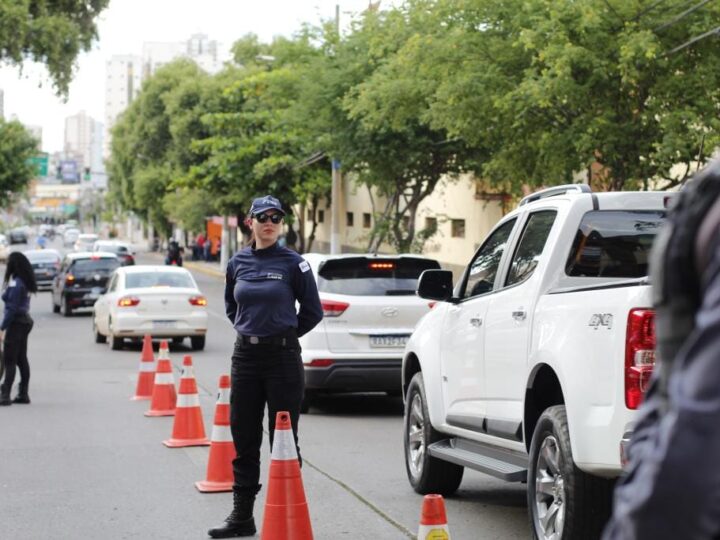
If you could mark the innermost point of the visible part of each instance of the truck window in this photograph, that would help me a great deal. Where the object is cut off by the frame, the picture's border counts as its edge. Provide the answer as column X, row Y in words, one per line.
column 484, row 267
column 531, row 246
column 614, row 243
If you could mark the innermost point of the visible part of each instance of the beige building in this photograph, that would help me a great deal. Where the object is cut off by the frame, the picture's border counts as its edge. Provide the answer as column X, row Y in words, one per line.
column 461, row 212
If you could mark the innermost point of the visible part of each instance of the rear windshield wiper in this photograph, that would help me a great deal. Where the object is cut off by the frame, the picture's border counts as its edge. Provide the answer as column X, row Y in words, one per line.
column 399, row 292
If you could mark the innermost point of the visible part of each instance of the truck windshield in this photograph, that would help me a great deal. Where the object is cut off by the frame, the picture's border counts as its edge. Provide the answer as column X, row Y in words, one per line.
column 614, row 243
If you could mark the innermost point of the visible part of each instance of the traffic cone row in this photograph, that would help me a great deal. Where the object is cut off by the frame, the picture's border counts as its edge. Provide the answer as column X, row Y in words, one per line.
column 222, row 450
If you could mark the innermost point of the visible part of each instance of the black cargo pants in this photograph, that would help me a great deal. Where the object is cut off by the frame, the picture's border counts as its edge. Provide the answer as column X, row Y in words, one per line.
column 262, row 374
column 15, row 353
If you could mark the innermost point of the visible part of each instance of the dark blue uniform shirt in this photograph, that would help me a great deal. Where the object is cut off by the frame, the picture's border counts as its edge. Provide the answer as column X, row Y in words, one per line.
column 17, row 301
column 261, row 288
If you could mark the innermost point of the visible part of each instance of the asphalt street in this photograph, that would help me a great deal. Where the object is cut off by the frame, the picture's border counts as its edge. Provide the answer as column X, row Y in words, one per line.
column 82, row 461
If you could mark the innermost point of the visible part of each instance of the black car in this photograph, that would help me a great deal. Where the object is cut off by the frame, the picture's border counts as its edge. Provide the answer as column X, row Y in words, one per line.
column 45, row 263
column 82, row 278
column 18, row 235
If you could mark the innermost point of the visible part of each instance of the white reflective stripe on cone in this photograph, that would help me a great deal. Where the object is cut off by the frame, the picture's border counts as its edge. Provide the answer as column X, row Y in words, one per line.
column 147, row 367
column 221, row 434
column 433, row 532
column 164, row 378
column 283, row 448
column 187, row 373
column 223, row 396
column 188, row 400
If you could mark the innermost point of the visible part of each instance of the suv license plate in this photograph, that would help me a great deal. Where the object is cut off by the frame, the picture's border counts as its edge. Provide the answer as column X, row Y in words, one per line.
column 388, row 341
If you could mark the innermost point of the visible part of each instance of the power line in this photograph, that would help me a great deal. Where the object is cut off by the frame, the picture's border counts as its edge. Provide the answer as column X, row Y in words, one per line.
column 648, row 9
column 714, row 31
column 681, row 16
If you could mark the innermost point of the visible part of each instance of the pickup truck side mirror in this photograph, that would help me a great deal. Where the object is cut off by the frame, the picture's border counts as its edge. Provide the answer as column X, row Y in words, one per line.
column 435, row 285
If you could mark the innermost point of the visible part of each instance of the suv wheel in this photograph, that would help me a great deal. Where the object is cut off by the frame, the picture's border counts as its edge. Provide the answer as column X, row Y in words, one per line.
column 197, row 343
column 99, row 338
column 563, row 501
column 426, row 473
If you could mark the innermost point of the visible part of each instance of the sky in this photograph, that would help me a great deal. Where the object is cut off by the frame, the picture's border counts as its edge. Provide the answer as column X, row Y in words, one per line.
column 122, row 29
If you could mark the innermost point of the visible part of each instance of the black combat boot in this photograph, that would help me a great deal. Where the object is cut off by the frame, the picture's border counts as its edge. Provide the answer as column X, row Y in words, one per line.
column 5, row 399
column 240, row 522
column 22, row 398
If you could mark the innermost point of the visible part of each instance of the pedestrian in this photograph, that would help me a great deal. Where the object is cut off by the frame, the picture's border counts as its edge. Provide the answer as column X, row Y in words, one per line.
column 16, row 325
column 671, row 486
column 206, row 249
column 199, row 250
column 262, row 285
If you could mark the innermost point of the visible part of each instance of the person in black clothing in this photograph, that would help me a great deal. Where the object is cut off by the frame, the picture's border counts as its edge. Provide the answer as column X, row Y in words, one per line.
column 262, row 284
column 174, row 253
column 16, row 325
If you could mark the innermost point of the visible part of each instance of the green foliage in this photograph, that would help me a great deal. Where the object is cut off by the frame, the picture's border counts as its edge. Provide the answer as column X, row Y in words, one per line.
column 53, row 33
column 17, row 146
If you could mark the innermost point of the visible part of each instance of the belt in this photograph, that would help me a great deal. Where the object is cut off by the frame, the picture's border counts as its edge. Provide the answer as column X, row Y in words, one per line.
column 280, row 341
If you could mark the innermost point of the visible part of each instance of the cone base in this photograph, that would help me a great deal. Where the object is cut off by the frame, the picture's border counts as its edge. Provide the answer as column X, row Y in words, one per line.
column 170, row 412
column 181, row 443
column 141, row 398
column 205, row 486
column 286, row 522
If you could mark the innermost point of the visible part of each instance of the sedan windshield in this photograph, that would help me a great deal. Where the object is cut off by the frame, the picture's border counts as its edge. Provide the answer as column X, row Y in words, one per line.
column 136, row 280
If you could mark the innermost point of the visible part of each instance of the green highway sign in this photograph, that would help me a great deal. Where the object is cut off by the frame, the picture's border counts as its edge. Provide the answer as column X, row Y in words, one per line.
column 41, row 164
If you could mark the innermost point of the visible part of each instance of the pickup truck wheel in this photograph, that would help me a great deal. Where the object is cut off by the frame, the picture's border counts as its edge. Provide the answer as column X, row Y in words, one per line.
column 563, row 501
column 427, row 474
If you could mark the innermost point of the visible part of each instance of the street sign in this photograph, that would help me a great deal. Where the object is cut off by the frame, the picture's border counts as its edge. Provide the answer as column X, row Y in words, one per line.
column 69, row 171
column 41, row 164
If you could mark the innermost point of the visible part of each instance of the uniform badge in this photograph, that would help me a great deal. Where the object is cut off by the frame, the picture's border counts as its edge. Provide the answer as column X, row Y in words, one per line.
column 304, row 266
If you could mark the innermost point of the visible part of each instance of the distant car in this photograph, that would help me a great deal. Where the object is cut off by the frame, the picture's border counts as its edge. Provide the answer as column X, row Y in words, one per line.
column 85, row 242
column 47, row 230
column 4, row 248
column 70, row 236
column 45, row 263
column 162, row 301
column 123, row 250
column 18, row 235
column 370, row 309
column 81, row 280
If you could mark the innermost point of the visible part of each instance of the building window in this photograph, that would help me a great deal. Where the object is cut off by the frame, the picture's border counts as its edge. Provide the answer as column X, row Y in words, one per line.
column 367, row 220
column 431, row 225
column 310, row 215
column 321, row 216
column 458, row 228
column 349, row 219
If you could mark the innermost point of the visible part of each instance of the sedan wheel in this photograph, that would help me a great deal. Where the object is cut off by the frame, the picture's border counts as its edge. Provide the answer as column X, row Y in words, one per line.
column 99, row 338
column 116, row 343
column 66, row 309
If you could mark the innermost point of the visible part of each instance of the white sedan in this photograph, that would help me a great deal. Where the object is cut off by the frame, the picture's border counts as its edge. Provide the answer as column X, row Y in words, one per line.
column 162, row 301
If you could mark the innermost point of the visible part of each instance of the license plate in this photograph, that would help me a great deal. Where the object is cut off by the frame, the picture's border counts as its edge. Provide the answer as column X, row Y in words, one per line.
column 163, row 324
column 388, row 341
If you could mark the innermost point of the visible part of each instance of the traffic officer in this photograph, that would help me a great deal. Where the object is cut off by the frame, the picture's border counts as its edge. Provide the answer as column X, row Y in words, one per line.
column 262, row 285
column 671, row 489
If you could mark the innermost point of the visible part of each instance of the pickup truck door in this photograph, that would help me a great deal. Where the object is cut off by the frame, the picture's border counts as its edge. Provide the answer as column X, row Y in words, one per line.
column 464, row 331
column 508, row 328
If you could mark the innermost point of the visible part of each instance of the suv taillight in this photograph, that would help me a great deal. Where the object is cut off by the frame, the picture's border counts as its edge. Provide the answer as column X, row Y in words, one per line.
column 128, row 301
column 639, row 355
column 332, row 308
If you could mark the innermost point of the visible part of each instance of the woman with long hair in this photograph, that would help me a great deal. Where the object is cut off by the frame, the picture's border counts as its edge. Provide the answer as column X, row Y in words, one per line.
column 19, row 282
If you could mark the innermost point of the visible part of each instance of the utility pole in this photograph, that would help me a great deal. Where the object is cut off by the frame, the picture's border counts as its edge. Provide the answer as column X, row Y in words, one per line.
column 336, row 191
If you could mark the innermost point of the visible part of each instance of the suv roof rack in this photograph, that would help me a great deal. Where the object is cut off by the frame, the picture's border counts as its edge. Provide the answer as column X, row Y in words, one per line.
column 554, row 191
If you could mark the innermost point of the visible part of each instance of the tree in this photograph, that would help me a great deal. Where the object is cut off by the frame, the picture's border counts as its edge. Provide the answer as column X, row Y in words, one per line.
column 52, row 33
column 17, row 146
column 545, row 89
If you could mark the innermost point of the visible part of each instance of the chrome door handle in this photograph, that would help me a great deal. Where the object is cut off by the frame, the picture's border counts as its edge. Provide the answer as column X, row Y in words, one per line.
column 519, row 315
column 476, row 322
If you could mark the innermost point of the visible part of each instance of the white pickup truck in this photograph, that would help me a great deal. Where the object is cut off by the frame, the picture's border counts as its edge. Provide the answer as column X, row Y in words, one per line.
column 531, row 368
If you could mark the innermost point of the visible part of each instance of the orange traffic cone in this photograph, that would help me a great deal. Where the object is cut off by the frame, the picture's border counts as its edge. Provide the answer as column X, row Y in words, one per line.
column 188, row 428
column 433, row 521
column 146, row 373
column 286, row 511
column 163, row 396
column 222, row 449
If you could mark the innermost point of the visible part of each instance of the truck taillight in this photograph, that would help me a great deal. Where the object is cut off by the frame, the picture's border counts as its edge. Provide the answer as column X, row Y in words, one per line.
column 639, row 355
column 128, row 301
column 332, row 308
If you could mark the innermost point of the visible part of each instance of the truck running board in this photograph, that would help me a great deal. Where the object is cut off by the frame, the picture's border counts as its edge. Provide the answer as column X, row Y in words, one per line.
column 504, row 464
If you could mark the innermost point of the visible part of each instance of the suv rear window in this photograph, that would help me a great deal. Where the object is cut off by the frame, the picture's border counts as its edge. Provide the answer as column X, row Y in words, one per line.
column 95, row 265
column 362, row 276
column 614, row 243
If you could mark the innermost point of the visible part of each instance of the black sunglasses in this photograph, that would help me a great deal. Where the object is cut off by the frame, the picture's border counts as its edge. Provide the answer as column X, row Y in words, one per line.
column 263, row 217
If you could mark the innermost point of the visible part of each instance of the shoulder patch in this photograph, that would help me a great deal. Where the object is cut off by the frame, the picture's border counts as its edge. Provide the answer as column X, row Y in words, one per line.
column 304, row 266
